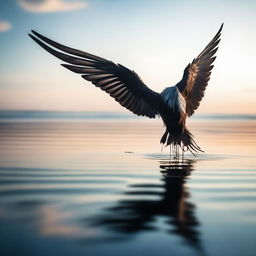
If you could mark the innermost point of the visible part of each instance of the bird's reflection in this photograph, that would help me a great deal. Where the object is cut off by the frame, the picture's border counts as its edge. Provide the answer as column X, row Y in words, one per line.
column 150, row 202
column 175, row 203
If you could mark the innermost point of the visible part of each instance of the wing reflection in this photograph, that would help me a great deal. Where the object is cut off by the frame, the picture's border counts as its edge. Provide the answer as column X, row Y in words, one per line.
column 148, row 203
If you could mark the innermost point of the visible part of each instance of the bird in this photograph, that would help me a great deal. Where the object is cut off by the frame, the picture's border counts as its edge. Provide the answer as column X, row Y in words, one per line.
column 174, row 104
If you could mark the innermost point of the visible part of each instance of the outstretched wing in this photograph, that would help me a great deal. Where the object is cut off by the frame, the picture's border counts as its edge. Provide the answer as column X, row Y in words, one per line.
column 119, row 82
column 197, row 74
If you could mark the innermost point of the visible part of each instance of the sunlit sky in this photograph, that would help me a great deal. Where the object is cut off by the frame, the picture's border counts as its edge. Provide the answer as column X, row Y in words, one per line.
column 157, row 39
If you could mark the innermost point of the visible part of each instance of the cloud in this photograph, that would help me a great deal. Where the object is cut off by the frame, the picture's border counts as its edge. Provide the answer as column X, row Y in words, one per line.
column 44, row 6
column 4, row 26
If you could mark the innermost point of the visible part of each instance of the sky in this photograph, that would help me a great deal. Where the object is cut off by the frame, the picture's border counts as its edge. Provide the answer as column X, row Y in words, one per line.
column 156, row 39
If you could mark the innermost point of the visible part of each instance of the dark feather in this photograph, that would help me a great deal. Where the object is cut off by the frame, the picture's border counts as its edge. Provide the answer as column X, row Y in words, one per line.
column 197, row 74
column 121, row 83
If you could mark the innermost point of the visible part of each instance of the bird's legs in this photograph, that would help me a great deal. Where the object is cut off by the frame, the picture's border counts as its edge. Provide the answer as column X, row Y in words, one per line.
column 182, row 154
column 170, row 153
column 175, row 152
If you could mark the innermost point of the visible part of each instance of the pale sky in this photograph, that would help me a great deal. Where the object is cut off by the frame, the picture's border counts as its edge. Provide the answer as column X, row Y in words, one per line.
column 156, row 39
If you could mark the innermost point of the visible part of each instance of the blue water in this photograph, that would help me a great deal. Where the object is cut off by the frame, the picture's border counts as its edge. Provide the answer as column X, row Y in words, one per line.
column 81, row 184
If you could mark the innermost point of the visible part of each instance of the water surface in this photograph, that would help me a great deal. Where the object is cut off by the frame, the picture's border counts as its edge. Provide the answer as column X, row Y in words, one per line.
column 102, row 186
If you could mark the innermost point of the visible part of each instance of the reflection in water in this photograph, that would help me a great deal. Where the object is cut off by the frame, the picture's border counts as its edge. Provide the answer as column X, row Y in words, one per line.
column 55, row 174
column 175, row 201
column 168, row 200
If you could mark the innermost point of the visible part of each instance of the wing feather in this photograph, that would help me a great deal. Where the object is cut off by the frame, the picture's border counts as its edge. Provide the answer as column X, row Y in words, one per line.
column 197, row 74
column 119, row 82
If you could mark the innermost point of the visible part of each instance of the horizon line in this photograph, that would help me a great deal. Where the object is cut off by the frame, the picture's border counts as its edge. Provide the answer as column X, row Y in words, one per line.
column 62, row 114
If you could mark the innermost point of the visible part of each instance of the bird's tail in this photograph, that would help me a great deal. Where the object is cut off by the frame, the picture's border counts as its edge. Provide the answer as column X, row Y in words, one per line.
column 184, row 140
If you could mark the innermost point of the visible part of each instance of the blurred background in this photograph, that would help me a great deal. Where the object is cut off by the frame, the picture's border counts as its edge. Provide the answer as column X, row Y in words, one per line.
column 156, row 39
column 80, row 175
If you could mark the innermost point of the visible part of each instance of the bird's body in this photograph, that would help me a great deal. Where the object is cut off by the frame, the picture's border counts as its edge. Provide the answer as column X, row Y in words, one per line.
column 173, row 114
column 174, row 104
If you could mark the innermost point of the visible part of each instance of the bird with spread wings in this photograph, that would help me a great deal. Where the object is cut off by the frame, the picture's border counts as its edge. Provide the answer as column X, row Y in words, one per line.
column 174, row 104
